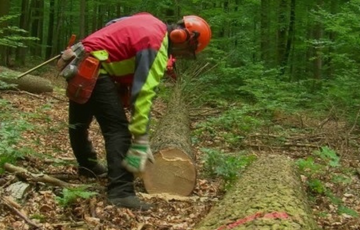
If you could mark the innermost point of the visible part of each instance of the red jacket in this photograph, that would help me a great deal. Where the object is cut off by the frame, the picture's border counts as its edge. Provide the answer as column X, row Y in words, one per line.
column 133, row 51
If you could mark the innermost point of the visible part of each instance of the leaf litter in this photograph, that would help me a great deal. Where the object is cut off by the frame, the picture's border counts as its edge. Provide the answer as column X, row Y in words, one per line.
column 50, row 153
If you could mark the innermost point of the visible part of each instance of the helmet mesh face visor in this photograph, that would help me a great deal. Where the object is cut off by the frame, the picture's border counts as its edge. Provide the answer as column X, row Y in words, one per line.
column 186, row 49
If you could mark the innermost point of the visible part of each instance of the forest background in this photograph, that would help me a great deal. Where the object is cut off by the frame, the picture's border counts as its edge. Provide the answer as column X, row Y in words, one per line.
column 287, row 54
column 267, row 60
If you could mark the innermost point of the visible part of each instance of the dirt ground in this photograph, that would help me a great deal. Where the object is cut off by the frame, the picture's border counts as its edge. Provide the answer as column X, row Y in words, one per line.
column 51, row 155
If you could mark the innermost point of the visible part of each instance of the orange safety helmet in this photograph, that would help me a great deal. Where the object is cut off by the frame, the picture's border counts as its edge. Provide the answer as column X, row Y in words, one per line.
column 196, row 28
column 198, row 25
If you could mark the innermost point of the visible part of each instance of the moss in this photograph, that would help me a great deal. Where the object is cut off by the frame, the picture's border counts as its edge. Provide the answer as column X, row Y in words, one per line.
column 269, row 185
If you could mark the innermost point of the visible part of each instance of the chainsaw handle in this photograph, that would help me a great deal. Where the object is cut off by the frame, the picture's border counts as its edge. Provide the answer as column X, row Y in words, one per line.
column 71, row 40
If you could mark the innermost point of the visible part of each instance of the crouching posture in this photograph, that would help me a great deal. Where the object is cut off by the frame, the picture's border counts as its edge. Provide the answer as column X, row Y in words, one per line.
column 119, row 67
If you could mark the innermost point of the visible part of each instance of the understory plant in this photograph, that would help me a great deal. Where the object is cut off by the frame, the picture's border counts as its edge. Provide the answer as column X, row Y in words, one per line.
column 226, row 166
column 11, row 134
column 322, row 163
column 70, row 195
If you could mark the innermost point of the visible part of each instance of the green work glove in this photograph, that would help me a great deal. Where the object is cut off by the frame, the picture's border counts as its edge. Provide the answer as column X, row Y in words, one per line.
column 137, row 155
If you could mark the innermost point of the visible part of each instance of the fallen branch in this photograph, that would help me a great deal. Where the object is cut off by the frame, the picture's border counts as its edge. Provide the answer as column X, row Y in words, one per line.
column 25, row 174
column 9, row 204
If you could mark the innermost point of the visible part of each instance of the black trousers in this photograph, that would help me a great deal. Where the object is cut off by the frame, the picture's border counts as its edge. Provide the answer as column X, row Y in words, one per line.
column 105, row 105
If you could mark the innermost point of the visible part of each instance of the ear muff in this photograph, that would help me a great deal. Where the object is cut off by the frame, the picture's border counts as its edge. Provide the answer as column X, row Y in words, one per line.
column 179, row 35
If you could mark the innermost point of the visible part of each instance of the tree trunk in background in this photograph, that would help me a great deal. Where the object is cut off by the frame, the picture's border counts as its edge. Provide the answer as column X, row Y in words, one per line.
column 100, row 18
column 174, row 171
column 36, row 18
column 82, row 19
column 50, row 32
column 264, row 31
column 95, row 16
column 21, row 52
column 57, row 41
column 282, row 31
column 118, row 10
column 290, row 37
column 318, row 35
column 332, row 37
column 4, row 51
column 268, row 195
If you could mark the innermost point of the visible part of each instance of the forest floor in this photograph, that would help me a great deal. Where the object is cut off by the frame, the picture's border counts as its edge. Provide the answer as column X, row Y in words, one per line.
column 51, row 155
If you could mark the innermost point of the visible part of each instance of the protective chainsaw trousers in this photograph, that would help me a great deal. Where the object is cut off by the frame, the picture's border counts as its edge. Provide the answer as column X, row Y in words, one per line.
column 105, row 105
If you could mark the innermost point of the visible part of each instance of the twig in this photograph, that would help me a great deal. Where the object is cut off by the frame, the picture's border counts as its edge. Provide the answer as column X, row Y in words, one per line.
column 301, row 145
column 57, row 98
column 25, row 92
column 355, row 122
column 70, row 224
column 19, row 213
column 204, row 113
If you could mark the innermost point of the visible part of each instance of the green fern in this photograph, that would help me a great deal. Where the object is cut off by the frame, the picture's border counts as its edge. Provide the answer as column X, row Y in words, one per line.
column 70, row 195
column 225, row 166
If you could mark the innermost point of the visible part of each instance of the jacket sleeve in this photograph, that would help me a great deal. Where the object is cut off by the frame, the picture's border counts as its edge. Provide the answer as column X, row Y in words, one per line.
column 149, row 69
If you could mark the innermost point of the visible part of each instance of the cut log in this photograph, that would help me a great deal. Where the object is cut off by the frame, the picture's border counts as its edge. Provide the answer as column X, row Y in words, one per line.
column 269, row 195
column 29, row 83
column 174, row 171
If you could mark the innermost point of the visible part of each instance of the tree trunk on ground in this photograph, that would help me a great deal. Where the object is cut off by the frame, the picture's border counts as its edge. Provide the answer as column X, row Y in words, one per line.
column 174, row 171
column 29, row 83
column 268, row 195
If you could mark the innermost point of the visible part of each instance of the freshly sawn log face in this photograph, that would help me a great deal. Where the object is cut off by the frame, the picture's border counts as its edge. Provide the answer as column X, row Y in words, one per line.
column 174, row 171
column 268, row 195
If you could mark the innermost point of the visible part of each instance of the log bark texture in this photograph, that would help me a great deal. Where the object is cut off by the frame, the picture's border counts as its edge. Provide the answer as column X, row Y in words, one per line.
column 174, row 171
column 269, row 195
column 29, row 83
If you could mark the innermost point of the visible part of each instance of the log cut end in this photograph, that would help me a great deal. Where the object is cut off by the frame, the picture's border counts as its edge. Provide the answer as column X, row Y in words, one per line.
column 174, row 172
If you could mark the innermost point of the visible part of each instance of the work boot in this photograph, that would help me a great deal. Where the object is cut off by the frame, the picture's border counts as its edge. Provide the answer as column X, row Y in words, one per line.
column 131, row 202
column 96, row 171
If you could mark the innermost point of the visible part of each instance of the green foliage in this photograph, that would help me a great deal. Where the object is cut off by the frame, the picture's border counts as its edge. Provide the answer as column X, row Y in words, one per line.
column 316, row 186
column 232, row 125
column 329, row 156
column 70, row 195
column 227, row 167
column 11, row 131
column 309, row 165
column 6, row 75
column 314, row 171
column 13, row 36
column 345, row 210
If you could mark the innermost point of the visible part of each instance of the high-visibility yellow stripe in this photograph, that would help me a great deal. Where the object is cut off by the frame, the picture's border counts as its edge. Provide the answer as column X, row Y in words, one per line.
column 101, row 55
column 120, row 68
column 143, row 103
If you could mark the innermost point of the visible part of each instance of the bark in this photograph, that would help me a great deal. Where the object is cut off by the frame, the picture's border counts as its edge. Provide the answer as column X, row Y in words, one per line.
column 49, row 48
column 4, row 50
column 285, row 61
column 269, row 195
column 282, row 30
column 264, row 31
column 29, row 83
column 18, row 189
column 24, row 24
column 37, row 15
column 82, row 18
column 174, row 171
